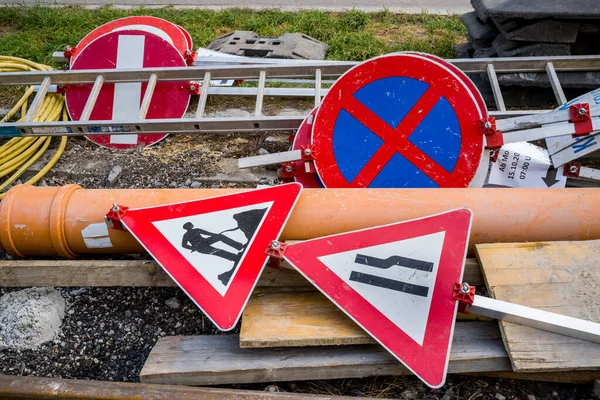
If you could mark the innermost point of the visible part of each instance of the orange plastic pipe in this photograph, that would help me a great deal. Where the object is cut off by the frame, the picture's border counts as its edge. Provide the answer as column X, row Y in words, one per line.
column 52, row 221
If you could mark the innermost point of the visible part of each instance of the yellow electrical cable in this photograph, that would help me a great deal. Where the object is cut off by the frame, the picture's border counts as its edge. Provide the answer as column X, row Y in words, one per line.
column 22, row 152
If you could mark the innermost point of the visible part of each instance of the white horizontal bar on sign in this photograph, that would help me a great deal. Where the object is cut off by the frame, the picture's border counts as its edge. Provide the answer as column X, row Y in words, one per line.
column 269, row 159
column 530, row 121
column 552, row 130
column 536, row 318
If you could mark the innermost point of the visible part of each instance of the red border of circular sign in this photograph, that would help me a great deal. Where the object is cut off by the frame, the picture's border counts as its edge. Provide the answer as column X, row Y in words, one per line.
column 460, row 74
column 188, row 38
column 415, row 66
column 481, row 175
column 180, row 42
column 308, row 180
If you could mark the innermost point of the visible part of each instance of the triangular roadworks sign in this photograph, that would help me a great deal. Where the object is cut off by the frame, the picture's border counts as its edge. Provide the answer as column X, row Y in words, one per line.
column 395, row 281
column 214, row 248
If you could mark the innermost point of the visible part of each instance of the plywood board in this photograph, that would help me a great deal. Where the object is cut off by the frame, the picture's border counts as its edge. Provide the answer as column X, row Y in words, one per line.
column 218, row 359
column 299, row 319
column 561, row 277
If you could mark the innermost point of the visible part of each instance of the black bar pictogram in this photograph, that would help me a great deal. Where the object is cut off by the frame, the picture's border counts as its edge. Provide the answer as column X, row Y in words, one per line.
column 394, row 260
column 386, row 283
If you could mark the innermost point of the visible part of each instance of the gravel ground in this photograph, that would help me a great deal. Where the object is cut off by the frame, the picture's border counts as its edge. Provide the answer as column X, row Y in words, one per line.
column 107, row 333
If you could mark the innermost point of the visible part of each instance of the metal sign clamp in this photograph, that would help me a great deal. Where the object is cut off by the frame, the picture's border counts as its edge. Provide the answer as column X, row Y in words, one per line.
column 190, row 57
column 114, row 216
column 581, row 119
column 465, row 295
column 572, row 169
column 309, row 155
column 68, row 52
column 275, row 251
column 494, row 137
column 288, row 170
column 195, row 88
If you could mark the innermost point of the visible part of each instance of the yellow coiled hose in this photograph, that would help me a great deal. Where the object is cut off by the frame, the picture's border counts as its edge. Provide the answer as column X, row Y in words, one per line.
column 20, row 153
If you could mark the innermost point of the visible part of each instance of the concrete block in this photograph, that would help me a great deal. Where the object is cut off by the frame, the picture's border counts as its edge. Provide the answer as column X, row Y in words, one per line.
column 288, row 45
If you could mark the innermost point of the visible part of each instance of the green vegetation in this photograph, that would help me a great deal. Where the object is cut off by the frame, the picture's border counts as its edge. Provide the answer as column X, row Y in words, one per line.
column 35, row 32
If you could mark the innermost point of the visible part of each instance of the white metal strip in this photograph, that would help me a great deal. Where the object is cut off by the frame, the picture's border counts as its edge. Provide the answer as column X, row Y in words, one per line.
column 269, row 159
column 552, row 130
column 536, row 318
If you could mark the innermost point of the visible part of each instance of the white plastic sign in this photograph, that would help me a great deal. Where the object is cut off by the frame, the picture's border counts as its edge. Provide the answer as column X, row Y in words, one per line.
column 566, row 148
column 524, row 165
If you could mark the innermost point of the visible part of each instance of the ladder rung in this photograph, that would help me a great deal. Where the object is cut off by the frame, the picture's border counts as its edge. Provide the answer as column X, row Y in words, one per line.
column 148, row 96
column 38, row 100
column 491, row 71
column 93, row 97
column 203, row 95
column 317, row 87
column 261, row 93
column 555, row 82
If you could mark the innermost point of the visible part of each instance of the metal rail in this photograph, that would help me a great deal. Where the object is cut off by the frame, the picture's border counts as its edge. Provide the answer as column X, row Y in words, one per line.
column 220, row 68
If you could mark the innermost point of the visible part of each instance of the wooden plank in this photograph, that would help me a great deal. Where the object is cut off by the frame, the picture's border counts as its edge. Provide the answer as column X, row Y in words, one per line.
column 597, row 388
column 561, row 277
column 29, row 387
column 24, row 273
column 299, row 319
column 218, row 359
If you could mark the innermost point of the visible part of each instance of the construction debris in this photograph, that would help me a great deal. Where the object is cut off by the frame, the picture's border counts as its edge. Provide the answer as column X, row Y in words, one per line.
column 30, row 317
column 288, row 45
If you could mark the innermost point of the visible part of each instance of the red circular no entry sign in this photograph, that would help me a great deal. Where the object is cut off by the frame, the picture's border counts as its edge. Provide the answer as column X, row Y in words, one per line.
column 400, row 120
column 121, row 101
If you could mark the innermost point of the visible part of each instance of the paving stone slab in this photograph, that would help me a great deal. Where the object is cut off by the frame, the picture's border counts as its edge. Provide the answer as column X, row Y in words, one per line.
column 482, row 6
column 511, row 48
column 479, row 43
column 478, row 29
column 545, row 30
column 531, row 9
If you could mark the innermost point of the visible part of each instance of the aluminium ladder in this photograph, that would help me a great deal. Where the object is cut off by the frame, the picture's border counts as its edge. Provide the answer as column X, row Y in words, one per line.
column 260, row 70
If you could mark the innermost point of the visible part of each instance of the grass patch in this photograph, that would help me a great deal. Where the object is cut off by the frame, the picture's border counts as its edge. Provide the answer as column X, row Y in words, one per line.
column 35, row 32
